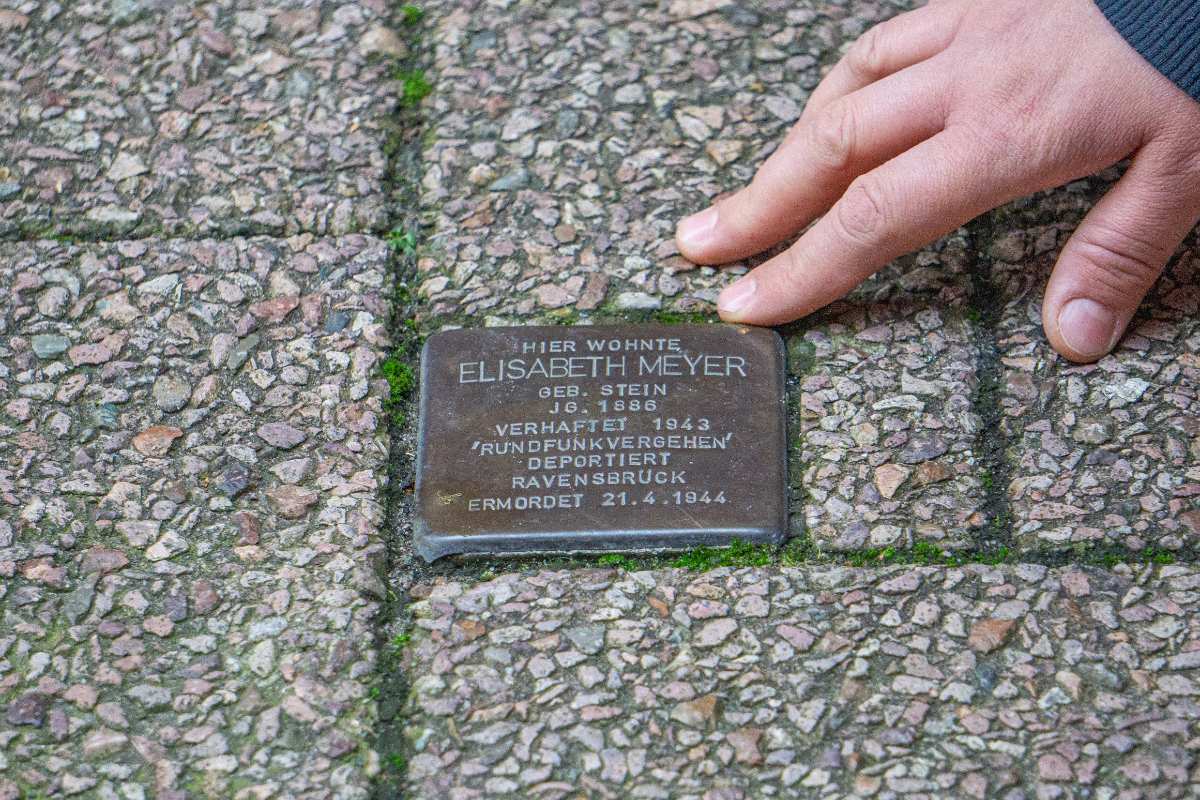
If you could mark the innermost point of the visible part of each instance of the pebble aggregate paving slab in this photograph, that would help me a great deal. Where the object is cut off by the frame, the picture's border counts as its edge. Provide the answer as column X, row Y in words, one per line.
column 888, row 428
column 226, row 117
column 1107, row 453
column 1014, row 681
column 566, row 139
column 192, row 452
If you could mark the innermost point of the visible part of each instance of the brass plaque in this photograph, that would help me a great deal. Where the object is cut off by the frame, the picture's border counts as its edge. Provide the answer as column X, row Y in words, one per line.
column 606, row 438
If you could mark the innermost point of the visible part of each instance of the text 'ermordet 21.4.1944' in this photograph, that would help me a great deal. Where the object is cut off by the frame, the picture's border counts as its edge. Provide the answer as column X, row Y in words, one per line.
column 606, row 438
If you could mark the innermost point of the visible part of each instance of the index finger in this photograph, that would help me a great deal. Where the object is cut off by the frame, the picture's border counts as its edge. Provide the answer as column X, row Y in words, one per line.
column 814, row 165
column 918, row 196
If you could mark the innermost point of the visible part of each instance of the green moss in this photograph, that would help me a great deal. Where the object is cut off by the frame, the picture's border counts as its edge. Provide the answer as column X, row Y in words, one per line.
column 998, row 556
column 701, row 559
column 619, row 561
column 401, row 382
column 402, row 296
column 414, row 87
column 683, row 317
column 563, row 316
column 237, row 783
column 1159, row 556
column 698, row 560
column 928, row 553
column 801, row 355
column 400, row 378
column 402, row 241
column 738, row 554
column 401, row 640
column 861, row 558
column 411, row 14
column 796, row 552
column 923, row 554
column 1111, row 556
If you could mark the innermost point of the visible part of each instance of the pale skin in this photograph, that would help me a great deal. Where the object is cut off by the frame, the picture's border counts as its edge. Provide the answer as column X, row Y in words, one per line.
column 943, row 113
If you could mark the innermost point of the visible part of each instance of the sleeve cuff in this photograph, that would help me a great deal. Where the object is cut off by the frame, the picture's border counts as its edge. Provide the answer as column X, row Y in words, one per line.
column 1165, row 32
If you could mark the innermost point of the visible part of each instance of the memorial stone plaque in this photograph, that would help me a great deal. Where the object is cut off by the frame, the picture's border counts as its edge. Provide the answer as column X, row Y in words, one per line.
column 606, row 438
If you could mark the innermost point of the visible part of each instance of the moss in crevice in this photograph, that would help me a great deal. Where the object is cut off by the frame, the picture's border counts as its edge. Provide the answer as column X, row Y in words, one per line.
column 414, row 87
column 402, row 241
column 403, row 235
column 799, row 552
column 401, row 379
column 411, row 14
column 990, row 446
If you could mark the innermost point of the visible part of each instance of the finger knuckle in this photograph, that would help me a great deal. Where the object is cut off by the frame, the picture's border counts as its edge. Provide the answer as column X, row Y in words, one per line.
column 794, row 277
column 866, row 56
column 1180, row 165
column 1117, row 262
column 832, row 136
column 1189, row 166
column 861, row 215
column 1016, row 154
column 1002, row 127
column 1015, row 124
column 793, row 268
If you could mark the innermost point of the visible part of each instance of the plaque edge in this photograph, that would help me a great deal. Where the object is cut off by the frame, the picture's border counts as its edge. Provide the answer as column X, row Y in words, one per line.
column 431, row 546
column 421, row 532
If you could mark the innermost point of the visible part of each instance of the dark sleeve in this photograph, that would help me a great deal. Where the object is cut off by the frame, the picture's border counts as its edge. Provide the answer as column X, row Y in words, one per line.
column 1165, row 32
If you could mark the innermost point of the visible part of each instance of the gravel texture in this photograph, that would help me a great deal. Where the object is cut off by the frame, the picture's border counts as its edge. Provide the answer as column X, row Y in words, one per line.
column 888, row 426
column 228, row 117
column 1106, row 453
column 1021, row 681
column 192, row 451
column 566, row 139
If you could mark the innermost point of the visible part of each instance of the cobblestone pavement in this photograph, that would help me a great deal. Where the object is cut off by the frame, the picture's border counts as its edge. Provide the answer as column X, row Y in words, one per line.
column 888, row 420
column 565, row 141
column 977, row 682
column 191, row 456
column 1105, row 453
column 193, row 433
column 163, row 119
column 203, row 213
column 927, row 412
column 568, row 138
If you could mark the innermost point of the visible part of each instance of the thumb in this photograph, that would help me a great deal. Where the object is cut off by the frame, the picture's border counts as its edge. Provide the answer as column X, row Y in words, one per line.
column 1114, row 257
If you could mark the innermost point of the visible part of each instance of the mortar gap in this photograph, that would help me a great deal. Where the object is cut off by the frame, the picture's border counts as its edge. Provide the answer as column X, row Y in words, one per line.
column 997, row 535
column 399, row 568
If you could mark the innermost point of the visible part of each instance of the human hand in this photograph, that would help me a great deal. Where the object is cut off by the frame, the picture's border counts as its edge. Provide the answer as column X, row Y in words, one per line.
column 943, row 113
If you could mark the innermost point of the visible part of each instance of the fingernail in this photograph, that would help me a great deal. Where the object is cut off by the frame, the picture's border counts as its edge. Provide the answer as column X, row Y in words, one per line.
column 696, row 231
column 1087, row 327
column 737, row 296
